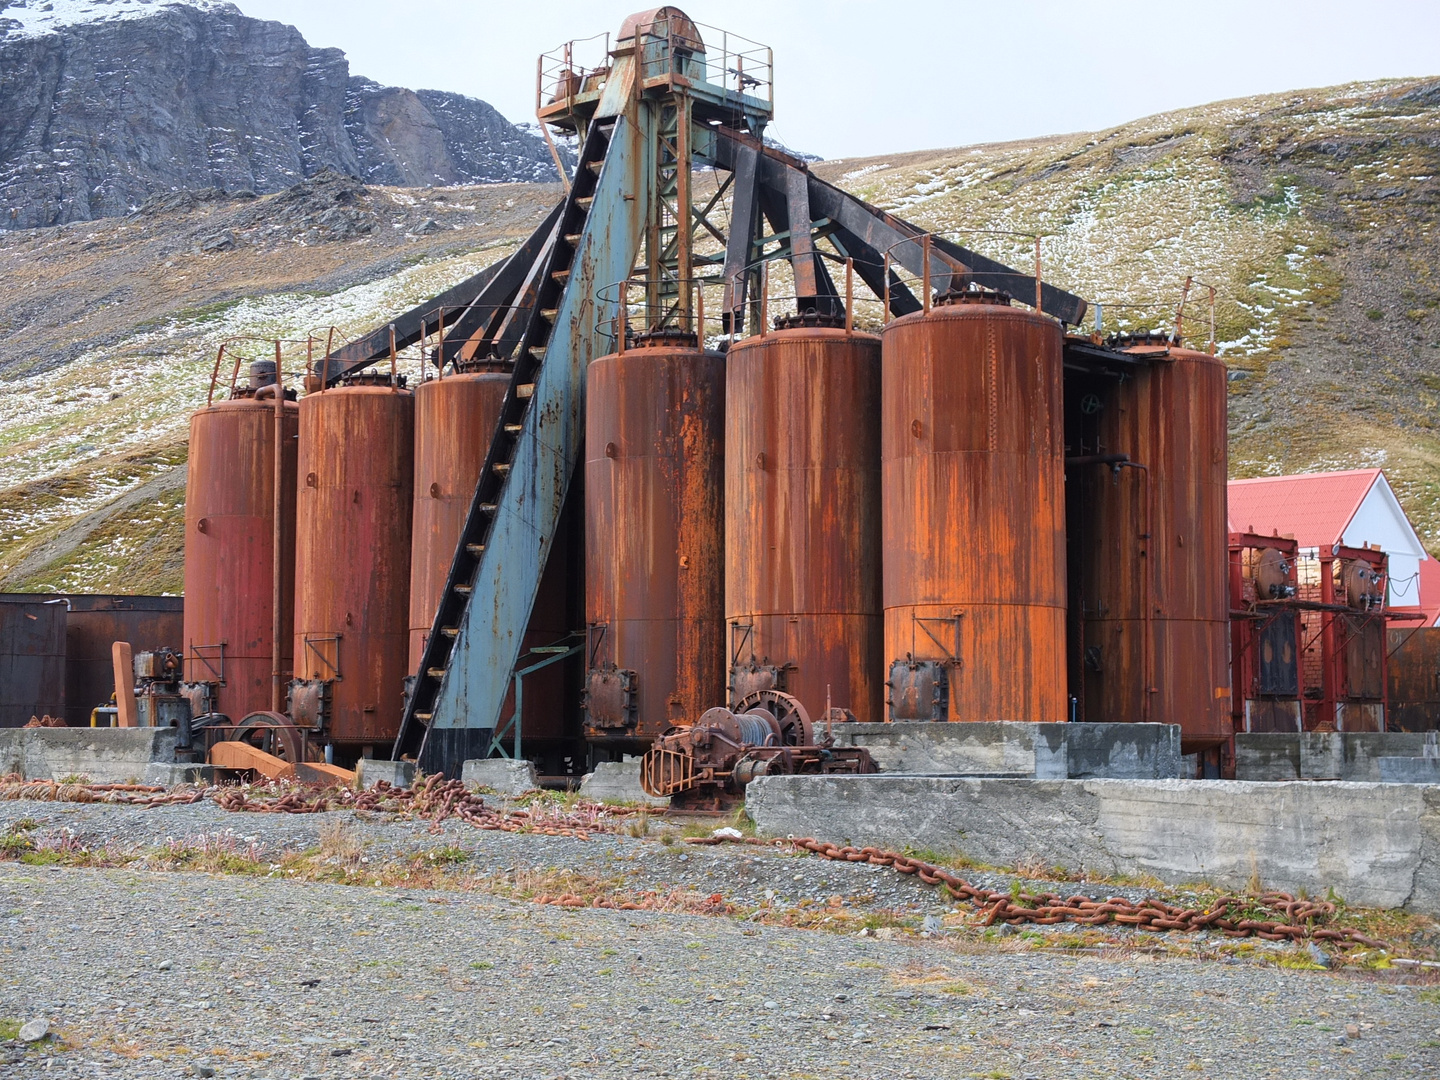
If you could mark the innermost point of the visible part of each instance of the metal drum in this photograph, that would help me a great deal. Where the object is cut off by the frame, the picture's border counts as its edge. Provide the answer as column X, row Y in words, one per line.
column 802, row 518
column 230, row 515
column 1152, row 549
column 973, row 520
column 352, row 547
column 654, row 537
column 32, row 660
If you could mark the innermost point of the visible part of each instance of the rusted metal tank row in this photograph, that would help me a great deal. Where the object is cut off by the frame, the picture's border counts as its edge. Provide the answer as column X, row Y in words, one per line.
column 654, row 541
column 802, row 518
column 455, row 420
column 1151, row 595
column 32, row 660
column 352, row 556
column 973, row 517
column 231, row 508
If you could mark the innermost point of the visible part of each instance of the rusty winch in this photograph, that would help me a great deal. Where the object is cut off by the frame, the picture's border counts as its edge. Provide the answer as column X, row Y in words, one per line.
column 706, row 765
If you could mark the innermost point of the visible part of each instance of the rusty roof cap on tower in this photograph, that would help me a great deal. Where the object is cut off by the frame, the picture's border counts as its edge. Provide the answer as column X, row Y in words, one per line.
column 678, row 24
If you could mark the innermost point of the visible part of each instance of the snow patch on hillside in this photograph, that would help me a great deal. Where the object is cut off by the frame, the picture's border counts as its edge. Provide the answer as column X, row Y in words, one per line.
column 36, row 18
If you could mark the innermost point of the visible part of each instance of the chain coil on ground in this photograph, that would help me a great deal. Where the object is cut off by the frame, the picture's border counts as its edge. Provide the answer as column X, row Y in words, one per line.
column 1302, row 919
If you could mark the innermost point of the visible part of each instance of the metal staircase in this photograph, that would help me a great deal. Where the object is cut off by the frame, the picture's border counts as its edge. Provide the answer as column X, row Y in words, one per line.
column 464, row 676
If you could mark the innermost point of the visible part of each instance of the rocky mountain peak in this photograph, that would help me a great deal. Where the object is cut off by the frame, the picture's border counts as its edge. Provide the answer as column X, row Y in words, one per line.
column 107, row 103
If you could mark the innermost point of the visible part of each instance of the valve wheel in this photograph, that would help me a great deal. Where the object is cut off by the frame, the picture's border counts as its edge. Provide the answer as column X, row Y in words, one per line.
column 795, row 727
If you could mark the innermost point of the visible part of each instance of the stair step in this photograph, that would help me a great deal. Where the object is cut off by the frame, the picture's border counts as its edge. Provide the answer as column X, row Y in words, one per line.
column 537, row 351
column 549, row 313
column 488, row 508
column 595, row 166
column 450, row 631
column 475, row 549
column 514, row 429
column 525, row 390
column 464, row 590
column 572, row 238
column 501, row 468
column 424, row 716
column 560, row 275
column 435, row 672
column 585, row 202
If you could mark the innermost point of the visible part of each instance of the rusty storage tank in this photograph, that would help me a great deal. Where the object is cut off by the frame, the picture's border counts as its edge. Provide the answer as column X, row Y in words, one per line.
column 973, row 515
column 802, row 516
column 231, row 505
column 1152, row 573
column 654, row 536
column 32, row 659
column 96, row 622
column 352, row 558
column 455, row 419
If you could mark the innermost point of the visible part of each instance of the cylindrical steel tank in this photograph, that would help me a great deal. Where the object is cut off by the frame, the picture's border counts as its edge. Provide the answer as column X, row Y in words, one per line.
column 352, row 554
column 455, row 421
column 230, row 508
column 32, row 660
column 973, row 520
column 802, row 517
column 654, row 537
column 1153, row 549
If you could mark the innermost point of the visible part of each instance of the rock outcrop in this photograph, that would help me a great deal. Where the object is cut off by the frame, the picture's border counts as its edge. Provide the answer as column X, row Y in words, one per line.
column 104, row 105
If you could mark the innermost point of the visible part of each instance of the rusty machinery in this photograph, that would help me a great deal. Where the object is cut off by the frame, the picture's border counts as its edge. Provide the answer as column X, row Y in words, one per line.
column 1343, row 652
column 707, row 764
column 1265, row 633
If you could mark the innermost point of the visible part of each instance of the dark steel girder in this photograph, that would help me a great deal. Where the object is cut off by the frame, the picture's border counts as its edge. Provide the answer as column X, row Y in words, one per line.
column 881, row 231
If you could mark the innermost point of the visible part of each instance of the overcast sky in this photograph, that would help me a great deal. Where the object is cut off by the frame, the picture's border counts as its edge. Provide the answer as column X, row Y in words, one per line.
column 859, row 78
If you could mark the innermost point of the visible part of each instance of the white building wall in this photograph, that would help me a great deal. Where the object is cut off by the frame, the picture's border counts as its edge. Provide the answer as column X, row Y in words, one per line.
column 1380, row 520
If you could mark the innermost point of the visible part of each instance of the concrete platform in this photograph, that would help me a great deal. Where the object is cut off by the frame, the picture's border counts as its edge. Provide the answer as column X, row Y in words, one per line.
column 169, row 774
column 1040, row 751
column 1376, row 845
column 370, row 771
column 104, row 755
column 1321, row 755
column 617, row 782
column 500, row 775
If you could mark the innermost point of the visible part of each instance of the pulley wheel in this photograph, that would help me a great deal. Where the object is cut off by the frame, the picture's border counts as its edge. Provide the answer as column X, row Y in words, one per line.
column 271, row 732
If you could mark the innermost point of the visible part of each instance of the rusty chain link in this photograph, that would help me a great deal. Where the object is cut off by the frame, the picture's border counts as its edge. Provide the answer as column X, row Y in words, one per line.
column 1302, row 919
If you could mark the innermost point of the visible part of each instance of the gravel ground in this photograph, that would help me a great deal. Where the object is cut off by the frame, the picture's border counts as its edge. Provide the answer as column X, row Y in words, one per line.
column 168, row 974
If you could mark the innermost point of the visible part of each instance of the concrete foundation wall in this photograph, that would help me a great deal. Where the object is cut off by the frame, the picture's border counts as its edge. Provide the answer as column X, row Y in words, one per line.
column 1321, row 755
column 1041, row 751
column 1376, row 845
column 105, row 755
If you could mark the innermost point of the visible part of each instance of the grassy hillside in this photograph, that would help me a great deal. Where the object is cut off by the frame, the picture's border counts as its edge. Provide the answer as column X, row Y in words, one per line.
column 1311, row 213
